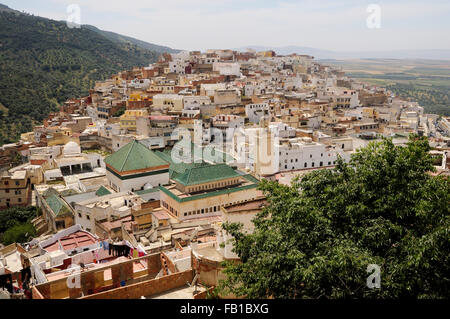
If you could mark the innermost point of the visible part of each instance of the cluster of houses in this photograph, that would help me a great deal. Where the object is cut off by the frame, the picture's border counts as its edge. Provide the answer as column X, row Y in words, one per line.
column 135, row 180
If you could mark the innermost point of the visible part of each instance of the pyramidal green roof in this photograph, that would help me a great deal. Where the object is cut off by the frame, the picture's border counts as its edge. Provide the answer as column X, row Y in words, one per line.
column 204, row 174
column 57, row 205
column 134, row 156
column 102, row 191
column 49, row 192
column 179, row 168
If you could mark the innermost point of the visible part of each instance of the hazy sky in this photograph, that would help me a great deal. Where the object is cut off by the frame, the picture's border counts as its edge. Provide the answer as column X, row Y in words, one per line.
column 202, row 24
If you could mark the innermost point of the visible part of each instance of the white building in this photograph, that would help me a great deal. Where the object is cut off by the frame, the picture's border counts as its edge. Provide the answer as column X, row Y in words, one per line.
column 117, row 205
column 171, row 102
column 255, row 112
column 225, row 68
column 135, row 167
column 303, row 153
column 195, row 102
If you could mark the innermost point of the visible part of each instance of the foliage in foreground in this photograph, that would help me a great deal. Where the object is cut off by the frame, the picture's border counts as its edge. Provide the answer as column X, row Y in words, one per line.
column 20, row 233
column 15, row 224
column 382, row 208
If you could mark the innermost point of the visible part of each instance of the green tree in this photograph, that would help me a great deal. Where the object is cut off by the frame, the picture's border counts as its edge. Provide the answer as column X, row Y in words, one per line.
column 317, row 237
column 17, row 215
column 20, row 233
column 120, row 112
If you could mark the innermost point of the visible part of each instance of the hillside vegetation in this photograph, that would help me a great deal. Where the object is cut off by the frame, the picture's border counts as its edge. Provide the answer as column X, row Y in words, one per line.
column 43, row 63
column 124, row 39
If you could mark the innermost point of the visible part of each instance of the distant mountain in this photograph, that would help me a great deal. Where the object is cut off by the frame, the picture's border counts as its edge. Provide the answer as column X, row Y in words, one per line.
column 118, row 38
column 327, row 54
column 290, row 49
column 43, row 63
column 5, row 8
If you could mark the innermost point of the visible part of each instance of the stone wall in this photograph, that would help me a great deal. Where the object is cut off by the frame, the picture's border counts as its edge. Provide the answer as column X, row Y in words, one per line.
column 147, row 288
column 92, row 282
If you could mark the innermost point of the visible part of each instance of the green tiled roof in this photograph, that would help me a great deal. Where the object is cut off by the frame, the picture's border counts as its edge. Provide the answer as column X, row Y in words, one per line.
column 210, row 155
column 204, row 174
column 210, row 194
column 179, row 168
column 147, row 191
column 102, row 191
column 57, row 205
column 49, row 192
column 134, row 156
column 251, row 178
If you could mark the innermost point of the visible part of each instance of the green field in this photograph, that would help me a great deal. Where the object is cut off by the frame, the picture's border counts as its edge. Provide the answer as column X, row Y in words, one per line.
column 424, row 81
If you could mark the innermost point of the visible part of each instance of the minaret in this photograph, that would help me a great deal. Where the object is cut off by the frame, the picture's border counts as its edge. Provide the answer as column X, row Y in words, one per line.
column 266, row 158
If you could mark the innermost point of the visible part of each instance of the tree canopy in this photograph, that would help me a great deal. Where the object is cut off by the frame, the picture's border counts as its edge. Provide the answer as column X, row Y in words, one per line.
column 20, row 233
column 17, row 215
column 317, row 237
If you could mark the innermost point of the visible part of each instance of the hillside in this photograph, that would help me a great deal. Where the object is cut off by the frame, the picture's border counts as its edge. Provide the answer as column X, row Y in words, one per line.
column 122, row 39
column 43, row 63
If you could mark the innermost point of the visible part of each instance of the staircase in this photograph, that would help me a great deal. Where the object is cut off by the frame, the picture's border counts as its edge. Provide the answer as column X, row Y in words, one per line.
column 40, row 224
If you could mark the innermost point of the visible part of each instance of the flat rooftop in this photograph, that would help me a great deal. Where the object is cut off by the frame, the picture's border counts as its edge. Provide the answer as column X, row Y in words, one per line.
column 185, row 292
column 213, row 192
column 256, row 204
column 94, row 181
column 19, row 175
column 209, row 253
column 72, row 241
column 107, row 274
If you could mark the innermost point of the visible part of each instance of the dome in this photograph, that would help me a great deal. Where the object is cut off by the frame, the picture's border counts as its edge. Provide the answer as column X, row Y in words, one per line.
column 71, row 148
column 148, row 186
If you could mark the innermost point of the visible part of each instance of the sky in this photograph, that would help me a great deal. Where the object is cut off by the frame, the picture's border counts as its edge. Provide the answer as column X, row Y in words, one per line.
column 336, row 25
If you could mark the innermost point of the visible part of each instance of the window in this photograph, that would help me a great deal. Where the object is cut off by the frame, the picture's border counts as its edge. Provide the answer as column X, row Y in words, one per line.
column 88, row 217
column 79, row 215
column 306, row 165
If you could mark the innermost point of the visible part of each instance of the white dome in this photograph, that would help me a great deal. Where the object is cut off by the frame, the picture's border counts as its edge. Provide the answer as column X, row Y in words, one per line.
column 148, row 186
column 71, row 148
